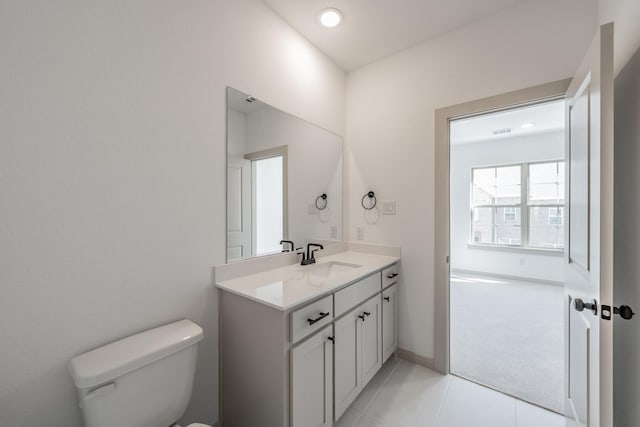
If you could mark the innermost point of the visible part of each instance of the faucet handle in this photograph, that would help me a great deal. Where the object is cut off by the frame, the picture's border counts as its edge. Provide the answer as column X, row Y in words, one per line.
column 287, row 242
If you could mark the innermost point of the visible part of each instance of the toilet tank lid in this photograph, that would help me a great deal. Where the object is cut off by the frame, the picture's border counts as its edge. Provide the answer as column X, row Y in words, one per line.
column 128, row 354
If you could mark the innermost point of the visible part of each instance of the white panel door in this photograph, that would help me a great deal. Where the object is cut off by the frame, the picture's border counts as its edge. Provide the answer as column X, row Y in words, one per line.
column 371, row 357
column 589, row 254
column 312, row 381
column 389, row 321
column 347, row 344
column 238, row 209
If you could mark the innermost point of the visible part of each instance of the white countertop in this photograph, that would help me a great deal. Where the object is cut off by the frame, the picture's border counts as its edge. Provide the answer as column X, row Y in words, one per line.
column 286, row 287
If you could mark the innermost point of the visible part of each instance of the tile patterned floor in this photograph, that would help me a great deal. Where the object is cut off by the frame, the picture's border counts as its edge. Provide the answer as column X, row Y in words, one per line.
column 403, row 394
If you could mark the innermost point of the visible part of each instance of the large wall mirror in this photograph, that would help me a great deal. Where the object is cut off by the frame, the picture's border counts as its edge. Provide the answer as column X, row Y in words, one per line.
column 284, row 180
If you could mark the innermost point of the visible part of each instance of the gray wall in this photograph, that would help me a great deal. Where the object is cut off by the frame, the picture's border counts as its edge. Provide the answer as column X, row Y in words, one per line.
column 112, row 175
column 627, row 243
column 626, row 14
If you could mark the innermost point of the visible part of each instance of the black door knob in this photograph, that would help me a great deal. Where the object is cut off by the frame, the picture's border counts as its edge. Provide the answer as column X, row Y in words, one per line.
column 580, row 305
column 624, row 311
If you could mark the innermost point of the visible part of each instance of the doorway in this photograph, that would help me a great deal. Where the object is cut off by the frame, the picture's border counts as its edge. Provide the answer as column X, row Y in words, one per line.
column 507, row 180
column 267, row 204
column 503, row 243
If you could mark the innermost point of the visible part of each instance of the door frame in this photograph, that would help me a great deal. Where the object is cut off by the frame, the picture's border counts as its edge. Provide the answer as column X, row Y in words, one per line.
column 443, row 116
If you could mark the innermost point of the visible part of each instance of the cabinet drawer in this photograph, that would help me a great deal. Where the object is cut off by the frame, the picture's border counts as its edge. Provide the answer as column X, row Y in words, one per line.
column 390, row 275
column 311, row 318
column 355, row 294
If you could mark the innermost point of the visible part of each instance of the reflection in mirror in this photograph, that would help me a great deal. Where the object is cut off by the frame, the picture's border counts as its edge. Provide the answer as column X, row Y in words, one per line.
column 277, row 167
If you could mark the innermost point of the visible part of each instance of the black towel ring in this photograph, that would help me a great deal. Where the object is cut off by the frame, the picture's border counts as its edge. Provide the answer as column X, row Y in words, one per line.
column 370, row 195
column 321, row 201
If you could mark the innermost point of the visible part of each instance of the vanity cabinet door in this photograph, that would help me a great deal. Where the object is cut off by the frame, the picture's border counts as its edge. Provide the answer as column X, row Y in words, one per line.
column 312, row 381
column 346, row 354
column 371, row 336
column 389, row 321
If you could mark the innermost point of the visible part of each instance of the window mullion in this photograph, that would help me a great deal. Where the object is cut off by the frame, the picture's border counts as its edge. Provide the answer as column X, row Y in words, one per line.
column 524, row 203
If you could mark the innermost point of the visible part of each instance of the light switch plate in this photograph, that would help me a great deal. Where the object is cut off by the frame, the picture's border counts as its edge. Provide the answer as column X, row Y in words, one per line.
column 311, row 208
column 334, row 232
column 388, row 207
column 359, row 233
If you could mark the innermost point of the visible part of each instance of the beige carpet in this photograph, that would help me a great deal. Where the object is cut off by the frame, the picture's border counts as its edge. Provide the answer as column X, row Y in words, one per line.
column 508, row 335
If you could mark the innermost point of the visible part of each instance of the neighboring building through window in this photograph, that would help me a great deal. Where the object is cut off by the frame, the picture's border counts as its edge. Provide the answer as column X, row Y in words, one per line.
column 519, row 205
column 509, row 214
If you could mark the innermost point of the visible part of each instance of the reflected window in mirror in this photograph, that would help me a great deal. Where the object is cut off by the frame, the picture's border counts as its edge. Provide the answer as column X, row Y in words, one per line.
column 268, row 203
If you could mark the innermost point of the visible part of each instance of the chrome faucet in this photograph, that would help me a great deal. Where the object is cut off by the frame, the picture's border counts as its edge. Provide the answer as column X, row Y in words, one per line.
column 310, row 259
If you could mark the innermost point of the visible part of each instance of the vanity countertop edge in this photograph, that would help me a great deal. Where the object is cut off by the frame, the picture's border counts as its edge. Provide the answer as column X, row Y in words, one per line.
column 287, row 287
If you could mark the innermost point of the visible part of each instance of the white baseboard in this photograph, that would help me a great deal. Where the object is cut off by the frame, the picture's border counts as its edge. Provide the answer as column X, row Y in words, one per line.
column 505, row 276
column 410, row 356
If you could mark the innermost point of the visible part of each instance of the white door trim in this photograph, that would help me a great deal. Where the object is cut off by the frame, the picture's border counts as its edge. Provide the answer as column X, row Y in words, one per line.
column 443, row 116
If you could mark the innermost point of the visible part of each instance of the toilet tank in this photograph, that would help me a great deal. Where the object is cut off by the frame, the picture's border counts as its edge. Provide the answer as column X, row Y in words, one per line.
column 144, row 380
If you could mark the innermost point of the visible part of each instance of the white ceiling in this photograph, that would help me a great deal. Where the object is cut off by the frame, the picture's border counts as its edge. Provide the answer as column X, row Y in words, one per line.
column 373, row 29
column 547, row 117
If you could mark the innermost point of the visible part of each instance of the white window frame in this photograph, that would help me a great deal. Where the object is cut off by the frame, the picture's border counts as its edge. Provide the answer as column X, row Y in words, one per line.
column 524, row 207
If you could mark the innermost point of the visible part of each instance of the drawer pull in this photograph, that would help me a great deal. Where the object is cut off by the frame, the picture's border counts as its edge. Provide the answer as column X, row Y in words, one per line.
column 317, row 319
column 392, row 275
column 364, row 313
column 387, row 299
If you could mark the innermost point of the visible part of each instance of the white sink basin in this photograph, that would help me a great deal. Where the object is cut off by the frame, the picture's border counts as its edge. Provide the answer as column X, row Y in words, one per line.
column 329, row 269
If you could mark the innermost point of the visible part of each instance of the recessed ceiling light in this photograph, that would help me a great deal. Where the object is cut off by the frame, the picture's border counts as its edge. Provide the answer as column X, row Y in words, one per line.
column 330, row 17
column 526, row 125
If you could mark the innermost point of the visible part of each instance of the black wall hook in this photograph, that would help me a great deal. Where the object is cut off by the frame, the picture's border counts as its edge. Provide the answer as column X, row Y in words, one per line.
column 372, row 200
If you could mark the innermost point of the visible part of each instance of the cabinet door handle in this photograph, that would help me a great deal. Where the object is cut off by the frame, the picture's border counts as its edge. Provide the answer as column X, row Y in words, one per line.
column 387, row 299
column 332, row 339
column 361, row 317
column 392, row 275
column 366, row 313
column 317, row 319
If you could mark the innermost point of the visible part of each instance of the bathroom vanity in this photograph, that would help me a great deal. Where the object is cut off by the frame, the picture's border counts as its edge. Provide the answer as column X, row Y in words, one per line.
column 299, row 343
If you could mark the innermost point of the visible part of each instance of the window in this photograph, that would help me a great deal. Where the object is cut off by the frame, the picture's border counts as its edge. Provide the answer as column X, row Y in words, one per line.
column 555, row 216
column 519, row 205
column 497, row 203
column 546, row 205
column 509, row 214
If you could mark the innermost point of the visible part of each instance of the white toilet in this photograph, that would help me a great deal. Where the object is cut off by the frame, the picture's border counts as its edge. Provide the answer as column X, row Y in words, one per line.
column 144, row 380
